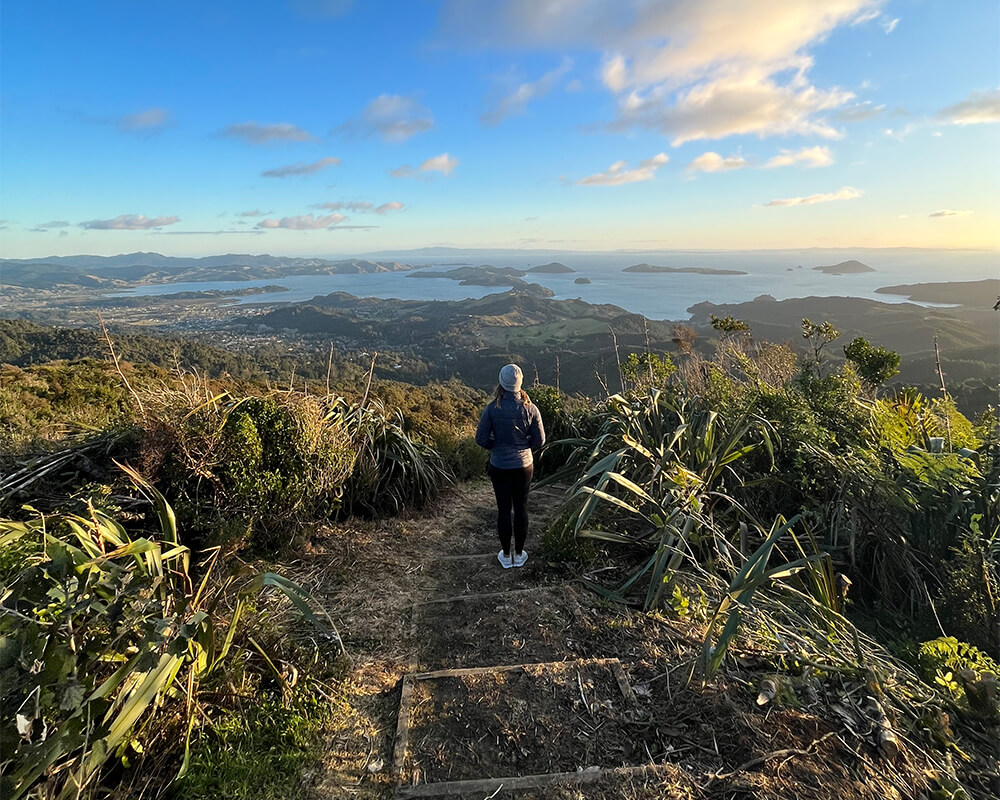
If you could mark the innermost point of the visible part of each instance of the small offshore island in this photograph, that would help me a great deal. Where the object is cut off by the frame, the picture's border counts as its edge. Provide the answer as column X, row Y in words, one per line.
column 652, row 268
column 851, row 267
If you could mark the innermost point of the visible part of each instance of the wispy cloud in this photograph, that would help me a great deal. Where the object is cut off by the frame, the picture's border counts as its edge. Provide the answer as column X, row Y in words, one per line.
column 392, row 117
column 56, row 223
column 860, row 112
column 290, row 170
column 129, row 222
column 713, row 162
column 255, row 133
column 977, row 108
column 846, row 193
column 808, row 156
column 889, row 25
column 690, row 69
column 444, row 163
column 303, row 222
column 617, row 174
column 253, row 213
column 152, row 120
column 516, row 102
column 361, row 206
column 947, row 212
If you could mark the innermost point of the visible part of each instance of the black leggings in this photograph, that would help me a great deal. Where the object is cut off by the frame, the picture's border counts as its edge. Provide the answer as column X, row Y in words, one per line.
column 511, row 488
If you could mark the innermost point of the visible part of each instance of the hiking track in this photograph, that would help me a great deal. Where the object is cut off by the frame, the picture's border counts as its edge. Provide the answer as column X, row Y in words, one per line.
column 473, row 682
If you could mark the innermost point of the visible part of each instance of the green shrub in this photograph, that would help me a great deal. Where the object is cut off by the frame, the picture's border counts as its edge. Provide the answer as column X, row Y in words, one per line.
column 105, row 632
column 970, row 591
column 269, row 461
column 942, row 660
column 256, row 752
column 464, row 459
column 279, row 463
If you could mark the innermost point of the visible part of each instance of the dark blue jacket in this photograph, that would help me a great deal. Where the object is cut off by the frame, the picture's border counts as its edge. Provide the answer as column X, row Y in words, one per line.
column 510, row 432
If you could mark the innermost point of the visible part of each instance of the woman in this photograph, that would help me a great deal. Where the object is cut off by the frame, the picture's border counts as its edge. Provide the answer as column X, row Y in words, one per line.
column 510, row 428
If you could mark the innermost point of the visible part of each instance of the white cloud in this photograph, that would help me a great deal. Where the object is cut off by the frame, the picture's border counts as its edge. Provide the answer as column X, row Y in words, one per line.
column 303, row 222
column 254, row 213
column 860, row 111
column 977, row 108
column 889, row 25
column 808, row 156
column 300, row 169
column 575, row 85
column 444, row 163
column 148, row 121
column 129, row 222
column 692, row 69
column 516, row 102
column 945, row 212
column 846, row 193
column 617, row 175
column 255, row 133
column 713, row 162
column 361, row 206
column 741, row 105
column 392, row 117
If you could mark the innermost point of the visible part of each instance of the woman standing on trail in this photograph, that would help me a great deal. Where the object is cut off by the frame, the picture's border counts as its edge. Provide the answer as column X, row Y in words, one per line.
column 510, row 428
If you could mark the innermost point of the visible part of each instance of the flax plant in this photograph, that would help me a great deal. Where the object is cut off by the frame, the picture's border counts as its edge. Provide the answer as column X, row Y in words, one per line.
column 101, row 632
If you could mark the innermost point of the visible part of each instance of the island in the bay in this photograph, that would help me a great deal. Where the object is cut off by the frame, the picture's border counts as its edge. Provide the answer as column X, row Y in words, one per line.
column 852, row 267
column 650, row 268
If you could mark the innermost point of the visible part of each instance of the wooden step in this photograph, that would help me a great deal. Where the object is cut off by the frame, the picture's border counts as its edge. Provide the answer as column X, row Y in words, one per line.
column 581, row 705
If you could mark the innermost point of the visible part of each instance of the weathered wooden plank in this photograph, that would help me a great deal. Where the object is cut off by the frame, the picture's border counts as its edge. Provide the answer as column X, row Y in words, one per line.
column 402, row 729
column 517, row 782
column 456, row 673
column 623, row 682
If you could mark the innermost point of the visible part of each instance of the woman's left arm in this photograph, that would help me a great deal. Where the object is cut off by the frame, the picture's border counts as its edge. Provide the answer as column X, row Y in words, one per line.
column 536, row 430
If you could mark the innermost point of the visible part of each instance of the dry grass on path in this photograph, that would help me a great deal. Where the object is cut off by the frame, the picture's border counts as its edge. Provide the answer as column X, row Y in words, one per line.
column 705, row 741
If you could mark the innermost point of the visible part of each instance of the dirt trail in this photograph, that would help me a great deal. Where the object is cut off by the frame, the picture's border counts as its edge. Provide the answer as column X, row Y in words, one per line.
column 470, row 681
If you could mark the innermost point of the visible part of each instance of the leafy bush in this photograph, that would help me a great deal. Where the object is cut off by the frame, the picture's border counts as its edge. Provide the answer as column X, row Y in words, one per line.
column 970, row 592
column 271, row 461
column 105, row 632
column 964, row 672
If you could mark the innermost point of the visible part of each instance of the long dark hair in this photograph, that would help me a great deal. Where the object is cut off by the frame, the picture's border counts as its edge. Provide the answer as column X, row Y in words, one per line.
column 499, row 392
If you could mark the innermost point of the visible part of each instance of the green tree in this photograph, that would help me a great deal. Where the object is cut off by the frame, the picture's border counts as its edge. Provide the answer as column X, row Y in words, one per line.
column 647, row 370
column 818, row 336
column 874, row 364
column 730, row 327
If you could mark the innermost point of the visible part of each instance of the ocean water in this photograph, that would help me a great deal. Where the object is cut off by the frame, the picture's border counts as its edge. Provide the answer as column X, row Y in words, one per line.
column 657, row 296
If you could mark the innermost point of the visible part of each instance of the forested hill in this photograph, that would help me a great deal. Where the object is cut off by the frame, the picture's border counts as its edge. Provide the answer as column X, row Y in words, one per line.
column 126, row 270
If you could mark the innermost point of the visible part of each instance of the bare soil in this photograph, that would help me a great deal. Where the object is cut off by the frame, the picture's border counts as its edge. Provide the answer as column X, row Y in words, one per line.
column 381, row 581
column 539, row 719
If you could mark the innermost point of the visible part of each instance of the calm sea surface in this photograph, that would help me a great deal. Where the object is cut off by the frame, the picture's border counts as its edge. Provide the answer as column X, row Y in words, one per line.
column 658, row 296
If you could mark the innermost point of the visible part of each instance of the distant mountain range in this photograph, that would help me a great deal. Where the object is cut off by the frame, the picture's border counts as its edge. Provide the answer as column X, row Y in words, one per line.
column 136, row 268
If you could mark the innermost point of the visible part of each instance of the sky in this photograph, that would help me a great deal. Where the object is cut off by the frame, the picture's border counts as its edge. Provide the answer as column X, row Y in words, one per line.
column 332, row 127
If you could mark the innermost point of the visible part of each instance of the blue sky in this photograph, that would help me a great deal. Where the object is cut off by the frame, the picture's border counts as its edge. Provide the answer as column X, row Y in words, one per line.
column 324, row 127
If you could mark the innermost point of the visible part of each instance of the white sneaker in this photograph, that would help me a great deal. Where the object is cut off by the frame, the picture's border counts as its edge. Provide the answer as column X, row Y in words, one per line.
column 520, row 559
column 505, row 561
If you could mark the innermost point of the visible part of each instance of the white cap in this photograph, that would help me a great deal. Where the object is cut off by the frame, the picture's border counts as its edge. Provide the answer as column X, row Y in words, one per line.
column 511, row 377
